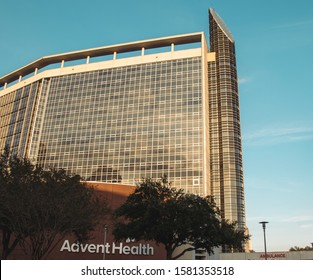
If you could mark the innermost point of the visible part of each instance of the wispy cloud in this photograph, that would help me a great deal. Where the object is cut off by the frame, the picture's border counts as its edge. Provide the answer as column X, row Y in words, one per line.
column 294, row 24
column 290, row 35
column 244, row 80
column 305, row 221
column 305, row 226
column 276, row 135
column 298, row 219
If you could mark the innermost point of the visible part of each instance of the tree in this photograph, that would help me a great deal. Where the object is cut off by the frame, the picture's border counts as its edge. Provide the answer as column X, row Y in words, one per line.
column 13, row 174
column 296, row 248
column 38, row 208
column 156, row 211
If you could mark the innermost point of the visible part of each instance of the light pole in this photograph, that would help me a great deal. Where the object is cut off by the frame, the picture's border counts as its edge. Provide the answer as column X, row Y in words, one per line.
column 264, row 226
column 105, row 240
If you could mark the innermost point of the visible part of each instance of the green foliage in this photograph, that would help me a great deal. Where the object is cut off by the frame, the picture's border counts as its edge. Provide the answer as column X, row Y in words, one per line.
column 296, row 248
column 156, row 211
column 39, row 207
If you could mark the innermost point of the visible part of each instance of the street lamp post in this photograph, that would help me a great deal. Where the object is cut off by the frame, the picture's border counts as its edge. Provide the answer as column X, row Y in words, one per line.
column 264, row 226
column 105, row 240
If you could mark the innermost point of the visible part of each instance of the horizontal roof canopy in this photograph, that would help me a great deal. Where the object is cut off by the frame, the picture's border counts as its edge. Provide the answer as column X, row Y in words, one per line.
column 101, row 51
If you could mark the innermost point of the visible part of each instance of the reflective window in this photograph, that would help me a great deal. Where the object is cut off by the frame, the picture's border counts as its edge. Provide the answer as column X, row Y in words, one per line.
column 122, row 124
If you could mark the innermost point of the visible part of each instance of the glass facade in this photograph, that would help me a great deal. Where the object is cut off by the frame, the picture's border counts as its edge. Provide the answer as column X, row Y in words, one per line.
column 224, row 118
column 121, row 124
column 16, row 114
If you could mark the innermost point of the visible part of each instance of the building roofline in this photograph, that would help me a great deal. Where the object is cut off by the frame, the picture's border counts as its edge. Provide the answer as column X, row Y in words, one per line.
column 100, row 51
column 222, row 25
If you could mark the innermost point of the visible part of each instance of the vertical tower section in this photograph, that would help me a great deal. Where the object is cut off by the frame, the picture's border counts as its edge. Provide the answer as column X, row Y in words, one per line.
column 224, row 117
column 17, row 114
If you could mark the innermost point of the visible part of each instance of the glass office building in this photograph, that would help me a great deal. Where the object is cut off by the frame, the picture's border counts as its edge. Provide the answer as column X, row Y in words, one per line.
column 143, row 109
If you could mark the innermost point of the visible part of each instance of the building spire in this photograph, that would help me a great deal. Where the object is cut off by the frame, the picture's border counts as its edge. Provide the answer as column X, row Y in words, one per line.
column 222, row 25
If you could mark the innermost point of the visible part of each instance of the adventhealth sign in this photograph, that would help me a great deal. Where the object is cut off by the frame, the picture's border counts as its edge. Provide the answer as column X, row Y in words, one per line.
column 114, row 248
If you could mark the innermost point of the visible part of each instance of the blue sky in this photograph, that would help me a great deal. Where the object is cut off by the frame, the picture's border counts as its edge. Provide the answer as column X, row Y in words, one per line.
column 274, row 44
